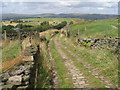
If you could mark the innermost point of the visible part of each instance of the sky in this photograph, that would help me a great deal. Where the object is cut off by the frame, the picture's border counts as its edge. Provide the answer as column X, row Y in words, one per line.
column 60, row 6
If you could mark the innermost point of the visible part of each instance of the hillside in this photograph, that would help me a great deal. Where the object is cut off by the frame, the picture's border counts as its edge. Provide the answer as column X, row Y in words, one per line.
column 96, row 29
column 84, row 16
column 16, row 16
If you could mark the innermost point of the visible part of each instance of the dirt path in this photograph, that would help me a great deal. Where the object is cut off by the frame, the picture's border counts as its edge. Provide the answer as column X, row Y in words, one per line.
column 79, row 81
column 91, row 69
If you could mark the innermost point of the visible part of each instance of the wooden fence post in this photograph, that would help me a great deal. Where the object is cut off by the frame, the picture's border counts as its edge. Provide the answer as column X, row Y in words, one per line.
column 78, row 32
column 19, row 35
column 5, row 36
column 85, row 28
column 68, row 34
column 20, row 41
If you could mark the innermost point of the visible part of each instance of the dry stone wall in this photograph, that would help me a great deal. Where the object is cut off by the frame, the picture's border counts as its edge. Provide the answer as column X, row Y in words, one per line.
column 22, row 76
column 101, row 43
column 18, row 77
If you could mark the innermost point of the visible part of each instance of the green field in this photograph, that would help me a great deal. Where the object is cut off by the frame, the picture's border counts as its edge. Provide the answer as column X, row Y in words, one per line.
column 100, row 28
column 11, row 50
column 37, row 21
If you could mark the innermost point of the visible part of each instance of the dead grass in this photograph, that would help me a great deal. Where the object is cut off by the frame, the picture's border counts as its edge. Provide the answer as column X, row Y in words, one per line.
column 9, row 64
column 114, row 27
column 48, row 32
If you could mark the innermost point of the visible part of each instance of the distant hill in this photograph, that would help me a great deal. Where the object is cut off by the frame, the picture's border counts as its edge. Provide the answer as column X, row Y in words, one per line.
column 16, row 16
column 83, row 16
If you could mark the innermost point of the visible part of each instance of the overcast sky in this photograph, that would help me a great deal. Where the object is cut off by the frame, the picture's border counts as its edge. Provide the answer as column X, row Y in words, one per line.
column 60, row 6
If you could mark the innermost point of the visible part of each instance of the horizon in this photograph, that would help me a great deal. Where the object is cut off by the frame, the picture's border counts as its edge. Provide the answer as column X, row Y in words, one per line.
column 59, row 14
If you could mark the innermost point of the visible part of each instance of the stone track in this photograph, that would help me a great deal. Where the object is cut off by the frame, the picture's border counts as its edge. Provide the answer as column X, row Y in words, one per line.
column 79, row 81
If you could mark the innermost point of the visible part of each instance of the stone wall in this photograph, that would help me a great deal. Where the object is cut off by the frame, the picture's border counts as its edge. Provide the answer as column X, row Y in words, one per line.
column 18, row 77
column 26, row 43
column 101, row 43
column 24, row 75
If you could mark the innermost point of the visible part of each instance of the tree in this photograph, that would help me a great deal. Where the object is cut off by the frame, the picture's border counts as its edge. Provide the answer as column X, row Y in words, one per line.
column 61, row 25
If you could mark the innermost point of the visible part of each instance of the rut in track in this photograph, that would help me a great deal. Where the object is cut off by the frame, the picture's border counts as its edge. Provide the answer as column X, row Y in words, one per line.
column 91, row 69
column 79, row 81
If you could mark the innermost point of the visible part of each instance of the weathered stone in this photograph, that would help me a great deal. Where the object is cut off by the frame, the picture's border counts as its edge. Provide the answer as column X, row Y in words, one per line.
column 31, row 50
column 22, row 87
column 27, row 83
column 15, row 80
column 82, row 82
column 107, row 86
column 7, row 86
column 28, row 58
column 5, row 77
column 1, row 83
column 17, row 72
column 27, row 72
column 81, row 77
column 26, row 78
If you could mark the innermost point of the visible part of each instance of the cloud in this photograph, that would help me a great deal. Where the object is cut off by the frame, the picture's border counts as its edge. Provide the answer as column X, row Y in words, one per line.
column 65, row 3
column 69, row 3
column 60, row 7
column 60, row 0
column 100, row 8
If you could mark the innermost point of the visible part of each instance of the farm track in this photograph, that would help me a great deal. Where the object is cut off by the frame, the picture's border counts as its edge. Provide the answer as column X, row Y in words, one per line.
column 91, row 69
column 78, row 79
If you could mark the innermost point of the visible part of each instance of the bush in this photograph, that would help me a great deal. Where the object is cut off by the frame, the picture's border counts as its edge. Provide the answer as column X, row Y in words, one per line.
column 8, row 29
column 21, row 26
